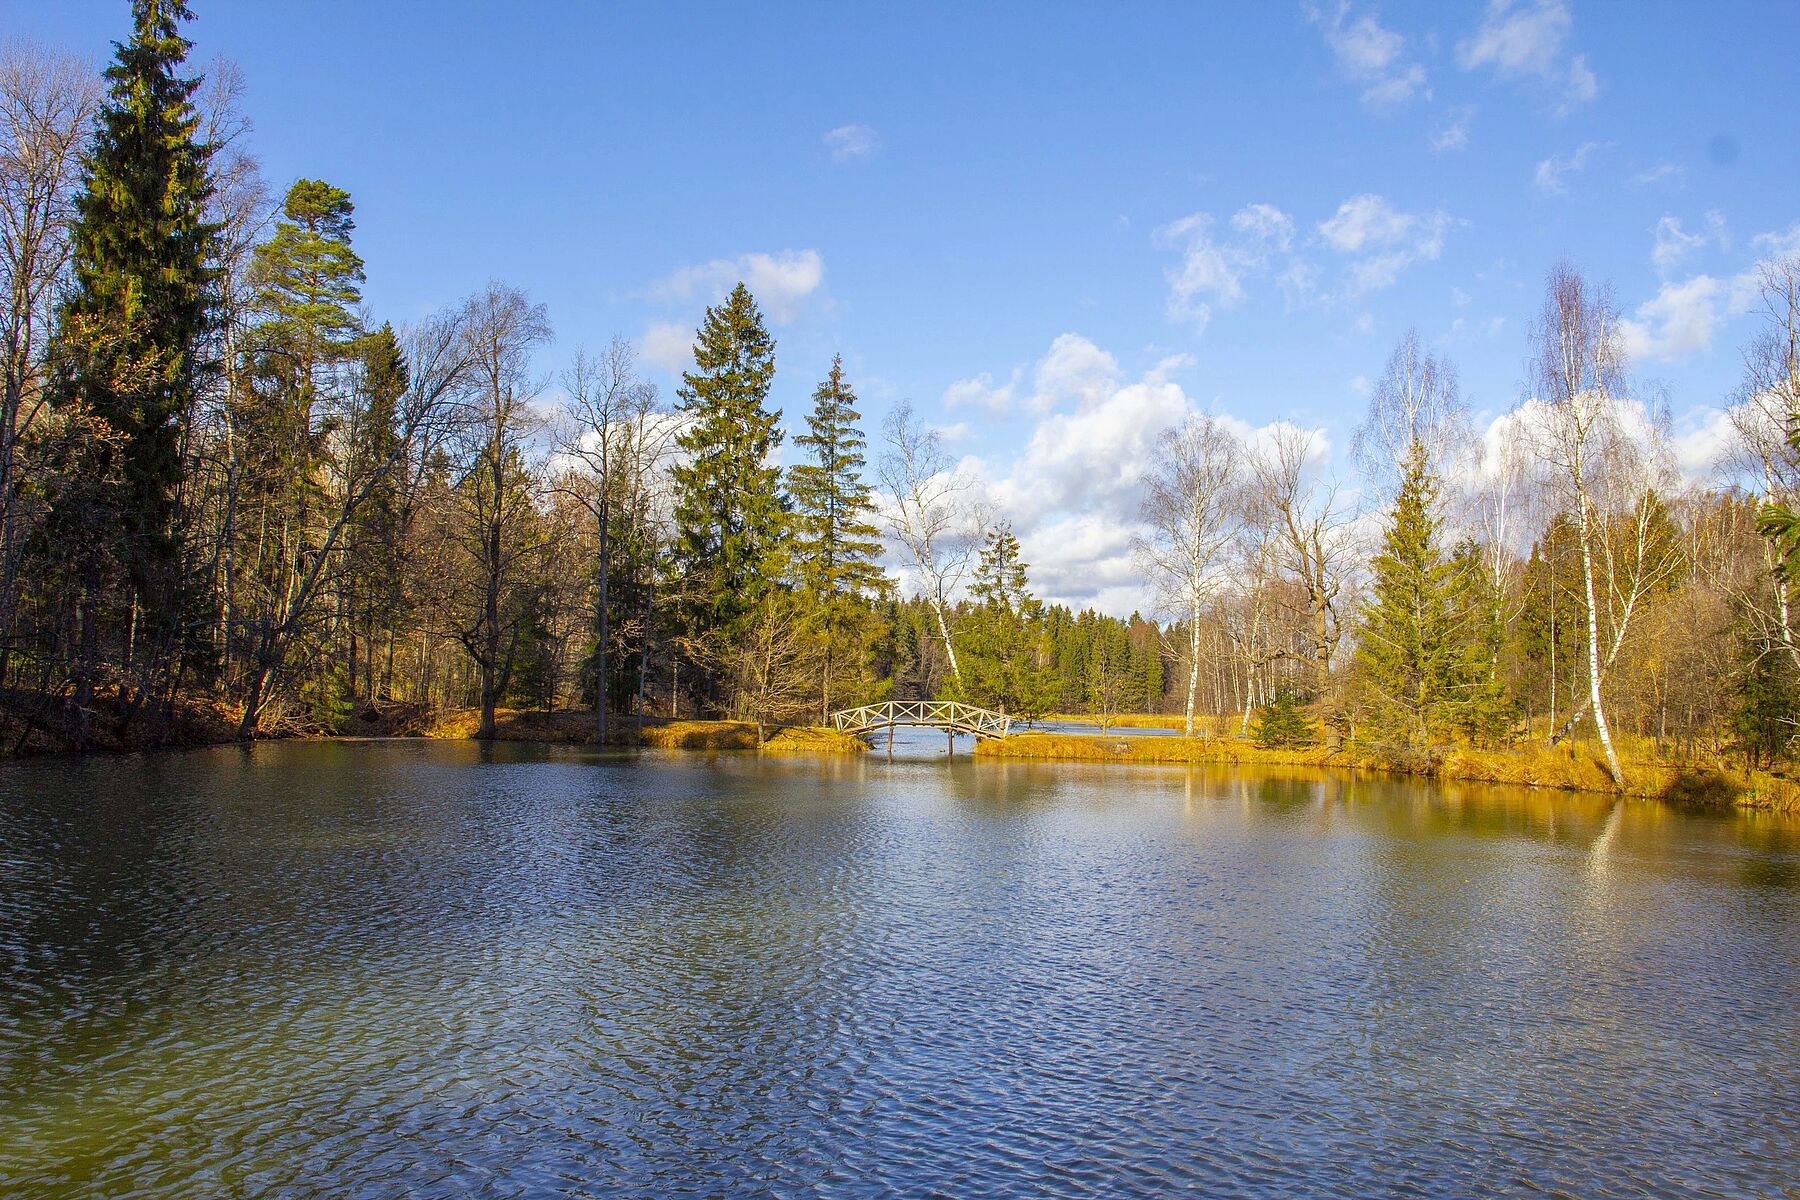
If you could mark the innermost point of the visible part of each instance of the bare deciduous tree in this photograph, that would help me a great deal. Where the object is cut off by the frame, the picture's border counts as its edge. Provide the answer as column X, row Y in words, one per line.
column 1579, row 373
column 440, row 359
column 1191, row 509
column 931, row 512
column 1306, row 528
column 606, row 402
column 47, row 105
column 1417, row 402
column 498, row 508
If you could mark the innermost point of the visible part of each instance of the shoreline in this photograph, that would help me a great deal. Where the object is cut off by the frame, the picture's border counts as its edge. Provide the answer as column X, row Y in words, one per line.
column 1567, row 768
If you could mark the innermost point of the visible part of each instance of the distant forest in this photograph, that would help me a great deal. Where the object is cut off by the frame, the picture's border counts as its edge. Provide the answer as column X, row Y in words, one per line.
column 220, row 480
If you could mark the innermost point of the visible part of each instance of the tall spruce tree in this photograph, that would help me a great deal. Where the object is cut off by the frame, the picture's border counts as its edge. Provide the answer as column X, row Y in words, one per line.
column 1004, row 634
column 834, row 544
column 376, row 533
column 729, row 515
column 1408, row 652
column 131, row 329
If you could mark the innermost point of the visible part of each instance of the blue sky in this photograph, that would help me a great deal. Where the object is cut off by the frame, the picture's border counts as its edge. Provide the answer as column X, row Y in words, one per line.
column 1052, row 228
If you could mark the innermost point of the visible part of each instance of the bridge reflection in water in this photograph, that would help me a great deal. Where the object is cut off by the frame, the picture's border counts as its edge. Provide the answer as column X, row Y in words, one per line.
column 951, row 716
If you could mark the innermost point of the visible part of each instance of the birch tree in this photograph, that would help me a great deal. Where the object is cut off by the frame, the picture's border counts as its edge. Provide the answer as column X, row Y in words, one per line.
column 1191, row 508
column 1579, row 372
column 931, row 513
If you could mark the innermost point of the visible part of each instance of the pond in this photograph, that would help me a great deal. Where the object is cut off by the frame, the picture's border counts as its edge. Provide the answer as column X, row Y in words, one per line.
column 399, row 969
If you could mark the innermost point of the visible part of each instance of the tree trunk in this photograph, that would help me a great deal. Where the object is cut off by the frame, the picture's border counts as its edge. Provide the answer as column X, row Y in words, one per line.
column 937, row 609
column 1593, row 655
column 1193, row 665
column 603, row 629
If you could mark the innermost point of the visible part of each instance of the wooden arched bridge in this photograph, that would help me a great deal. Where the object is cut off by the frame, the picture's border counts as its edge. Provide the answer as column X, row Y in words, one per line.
column 951, row 716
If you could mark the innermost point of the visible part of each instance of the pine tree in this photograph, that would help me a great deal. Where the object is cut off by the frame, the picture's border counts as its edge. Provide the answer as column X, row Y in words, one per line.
column 729, row 516
column 130, row 331
column 1408, row 652
column 309, row 279
column 1480, row 706
column 834, row 544
column 1006, row 667
column 1283, row 722
column 1767, row 713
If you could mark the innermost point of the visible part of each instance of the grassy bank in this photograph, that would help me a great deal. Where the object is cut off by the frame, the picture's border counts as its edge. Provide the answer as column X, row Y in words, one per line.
column 1125, row 720
column 1565, row 768
column 577, row 728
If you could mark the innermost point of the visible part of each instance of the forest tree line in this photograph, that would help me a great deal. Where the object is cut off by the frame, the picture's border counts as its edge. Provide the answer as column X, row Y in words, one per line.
column 220, row 476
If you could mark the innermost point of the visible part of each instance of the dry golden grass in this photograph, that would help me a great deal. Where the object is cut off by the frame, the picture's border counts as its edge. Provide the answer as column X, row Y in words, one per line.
column 1084, row 747
column 701, row 735
column 814, row 739
column 1568, row 767
column 517, row 725
column 1126, row 720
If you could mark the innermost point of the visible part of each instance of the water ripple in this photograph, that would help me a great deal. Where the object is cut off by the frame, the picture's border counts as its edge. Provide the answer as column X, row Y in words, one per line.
column 407, row 970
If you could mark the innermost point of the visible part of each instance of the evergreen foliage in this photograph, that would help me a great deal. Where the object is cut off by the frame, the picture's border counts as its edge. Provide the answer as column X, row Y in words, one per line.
column 730, row 519
column 1004, row 667
column 1411, row 621
column 1766, row 715
column 131, row 330
column 1283, row 722
column 835, row 546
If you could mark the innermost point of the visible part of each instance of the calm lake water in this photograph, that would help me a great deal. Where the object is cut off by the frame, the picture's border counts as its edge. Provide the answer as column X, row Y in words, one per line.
column 398, row 969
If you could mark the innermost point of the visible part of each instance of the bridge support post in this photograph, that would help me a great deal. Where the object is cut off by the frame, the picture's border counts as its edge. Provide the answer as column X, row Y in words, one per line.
column 950, row 749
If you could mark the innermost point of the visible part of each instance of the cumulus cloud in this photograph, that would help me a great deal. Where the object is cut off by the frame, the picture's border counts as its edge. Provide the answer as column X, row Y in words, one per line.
column 849, row 143
column 1370, row 55
column 1381, row 240
column 780, row 281
column 1552, row 172
column 1073, row 490
column 1677, row 323
column 667, row 345
column 978, row 391
column 1530, row 41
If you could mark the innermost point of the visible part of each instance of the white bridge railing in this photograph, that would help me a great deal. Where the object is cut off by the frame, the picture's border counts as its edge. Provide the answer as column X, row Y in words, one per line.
column 951, row 715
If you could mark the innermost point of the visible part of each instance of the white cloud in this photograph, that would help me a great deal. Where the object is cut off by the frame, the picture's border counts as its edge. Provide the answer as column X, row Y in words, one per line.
column 1777, row 246
column 1265, row 222
column 1770, row 249
column 780, row 281
column 1206, row 275
column 1703, row 444
column 1074, row 489
column 1453, row 133
column 1673, row 244
column 1552, row 171
column 1381, row 240
column 668, row 346
column 1370, row 55
column 1668, row 173
column 848, row 143
column 1531, row 41
column 978, row 391
column 1676, row 323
